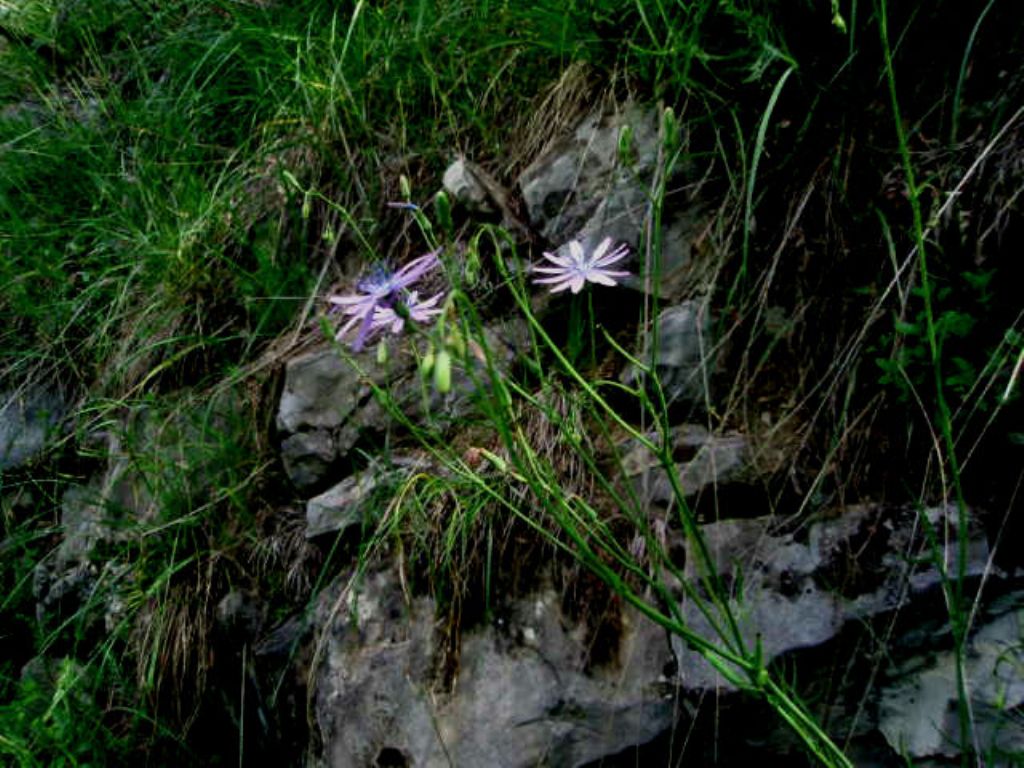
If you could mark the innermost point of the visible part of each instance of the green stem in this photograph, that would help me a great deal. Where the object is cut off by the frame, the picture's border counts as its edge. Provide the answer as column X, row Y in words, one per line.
column 955, row 590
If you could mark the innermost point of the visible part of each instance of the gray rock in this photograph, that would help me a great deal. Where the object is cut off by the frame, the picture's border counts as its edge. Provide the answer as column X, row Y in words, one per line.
column 84, row 518
column 29, row 418
column 340, row 507
column 534, row 704
column 344, row 505
column 150, row 458
column 582, row 182
column 67, row 579
column 581, row 189
column 683, row 360
column 918, row 709
column 713, row 460
column 370, row 694
column 801, row 593
column 327, row 405
column 522, row 696
column 320, row 391
column 463, row 186
column 308, row 457
column 240, row 614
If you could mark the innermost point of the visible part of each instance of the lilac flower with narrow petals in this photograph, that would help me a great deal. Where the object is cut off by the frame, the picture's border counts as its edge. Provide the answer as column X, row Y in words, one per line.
column 579, row 267
column 414, row 309
column 379, row 290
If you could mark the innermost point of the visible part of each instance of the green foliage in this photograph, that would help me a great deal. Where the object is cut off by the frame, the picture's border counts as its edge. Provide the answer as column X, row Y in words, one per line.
column 958, row 330
column 54, row 719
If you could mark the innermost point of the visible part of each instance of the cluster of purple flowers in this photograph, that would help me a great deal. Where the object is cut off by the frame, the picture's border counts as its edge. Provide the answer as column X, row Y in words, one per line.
column 384, row 300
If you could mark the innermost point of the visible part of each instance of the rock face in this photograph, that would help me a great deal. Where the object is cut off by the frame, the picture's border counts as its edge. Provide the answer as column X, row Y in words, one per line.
column 584, row 189
column 522, row 696
column 344, row 505
column 522, row 691
column 28, row 419
column 320, row 392
column 684, row 359
column 799, row 593
column 918, row 706
column 124, row 501
column 709, row 460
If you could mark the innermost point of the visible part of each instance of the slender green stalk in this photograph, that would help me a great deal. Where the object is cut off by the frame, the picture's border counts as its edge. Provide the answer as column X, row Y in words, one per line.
column 954, row 586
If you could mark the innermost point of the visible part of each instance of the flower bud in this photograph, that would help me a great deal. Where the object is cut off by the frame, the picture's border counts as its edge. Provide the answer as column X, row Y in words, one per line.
column 307, row 206
column 405, row 187
column 837, row 18
column 627, row 155
column 456, row 343
column 471, row 267
column 427, row 363
column 443, row 209
column 669, row 130
column 382, row 352
column 443, row 372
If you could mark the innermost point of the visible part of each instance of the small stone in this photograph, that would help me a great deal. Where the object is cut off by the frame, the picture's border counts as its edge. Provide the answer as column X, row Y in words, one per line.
column 340, row 507
column 462, row 185
column 713, row 460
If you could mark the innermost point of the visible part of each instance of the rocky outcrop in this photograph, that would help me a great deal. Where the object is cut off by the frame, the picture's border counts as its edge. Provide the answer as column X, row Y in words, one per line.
column 523, row 695
column 707, row 461
column 594, row 184
column 801, row 589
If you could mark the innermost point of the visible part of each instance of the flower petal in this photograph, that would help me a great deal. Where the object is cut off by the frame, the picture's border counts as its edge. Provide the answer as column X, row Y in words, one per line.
column 352, row 298
column 414, row 270
column 576, row 252
column 346, row 328
column 562, row 261
column 601, row 277
column 617, row 255
column 601, row 248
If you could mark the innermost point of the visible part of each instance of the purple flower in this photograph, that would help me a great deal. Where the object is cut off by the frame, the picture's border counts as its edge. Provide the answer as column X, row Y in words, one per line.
column 577, row 268
column 380, row 289
column 414, row 309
